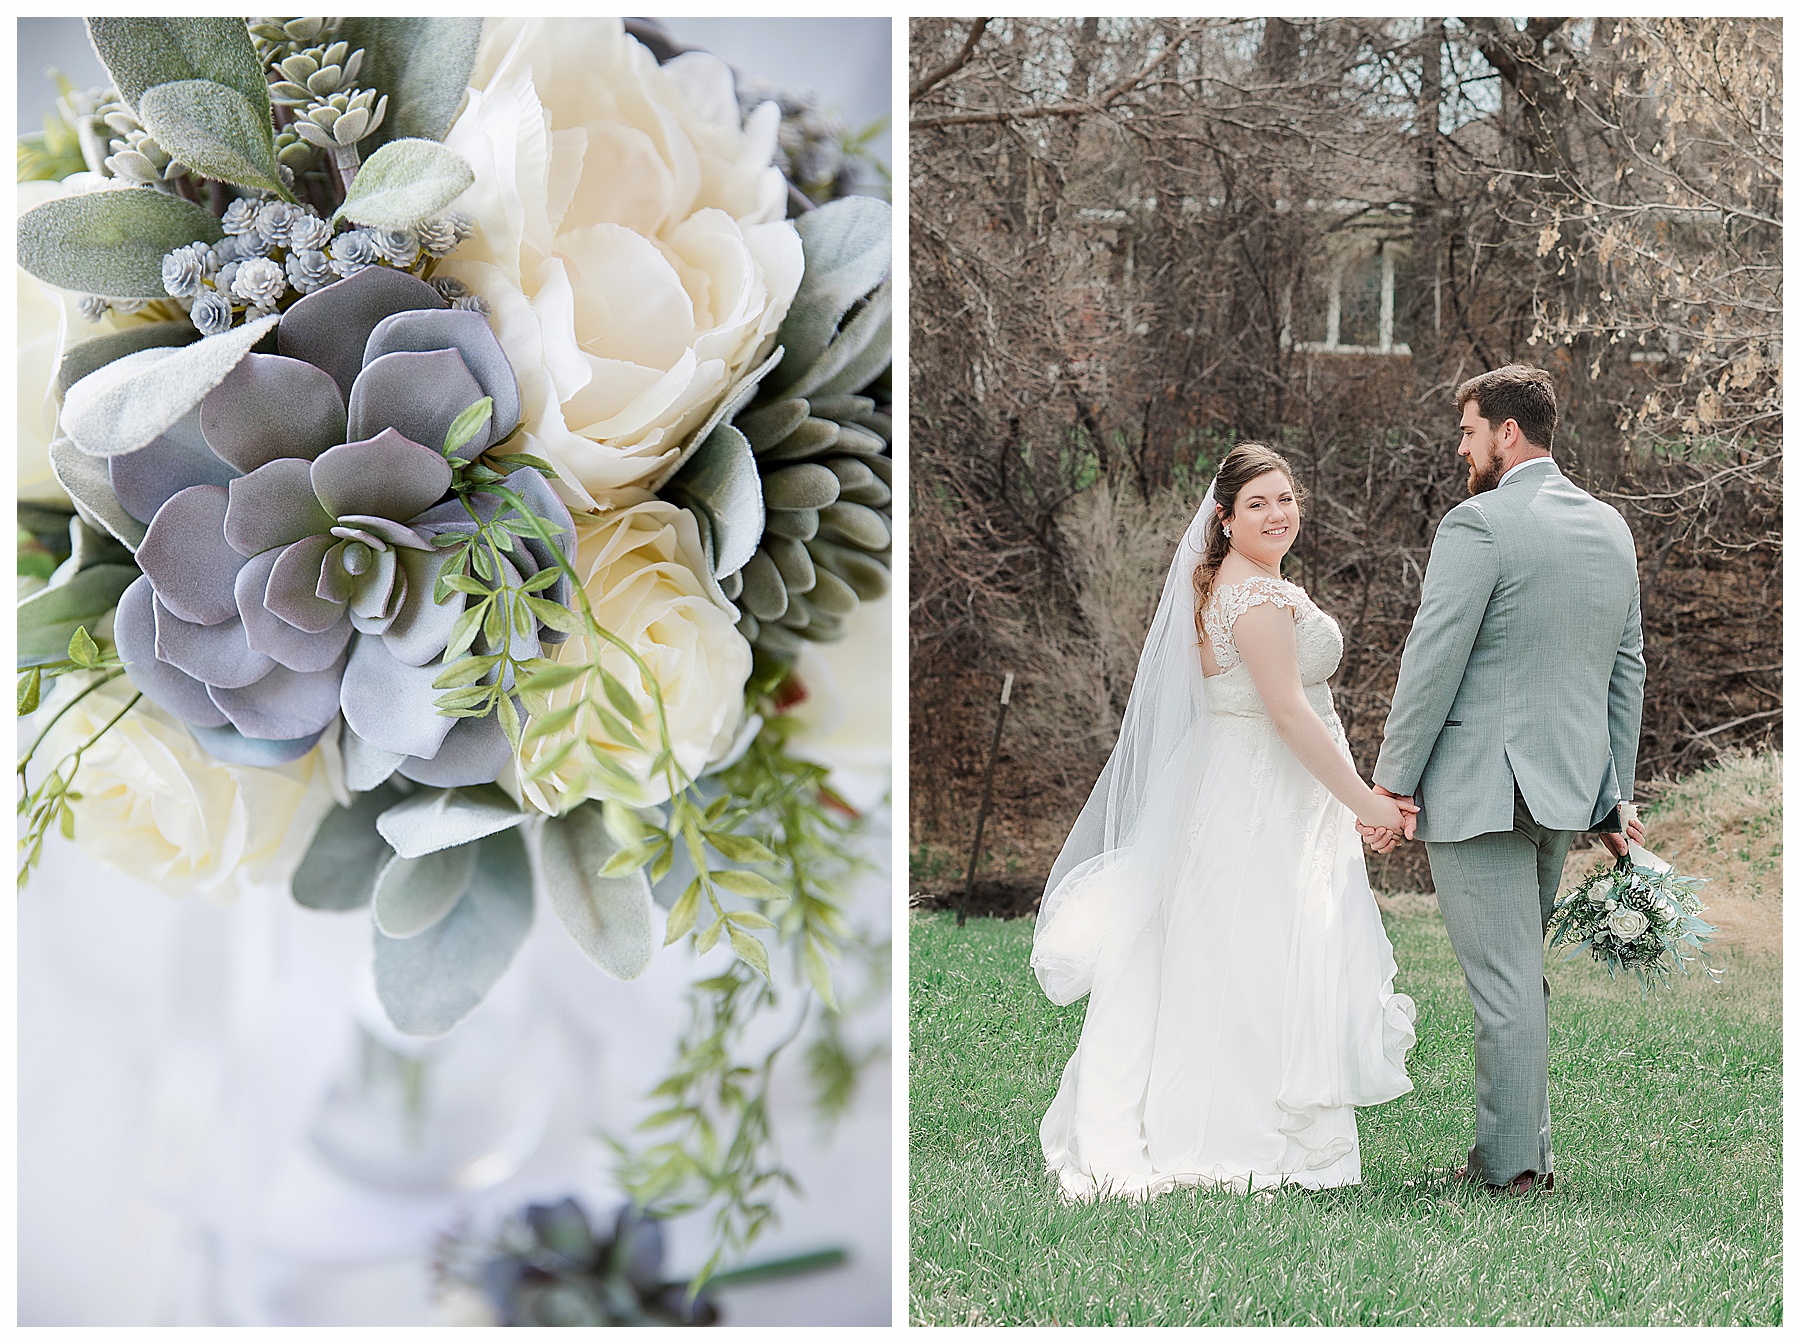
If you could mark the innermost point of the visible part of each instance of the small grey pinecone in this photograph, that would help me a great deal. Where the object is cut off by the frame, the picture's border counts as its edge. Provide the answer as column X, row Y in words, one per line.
column 211, row 314
column 351, row 252
column 309, row 233
column 239, row 217
column 396, row 246
column 260, row 282
column 184, row 269
column 309, row 269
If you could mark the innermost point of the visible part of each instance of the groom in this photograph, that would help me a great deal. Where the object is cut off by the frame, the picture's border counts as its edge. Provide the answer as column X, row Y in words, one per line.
column 1514, row 726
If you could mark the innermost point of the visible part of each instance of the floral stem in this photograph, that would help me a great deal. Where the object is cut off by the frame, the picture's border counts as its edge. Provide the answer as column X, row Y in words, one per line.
column 345, row 161
column 79, row 696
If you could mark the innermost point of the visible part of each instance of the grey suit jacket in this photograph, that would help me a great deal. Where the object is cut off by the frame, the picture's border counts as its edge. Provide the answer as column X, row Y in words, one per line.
column 1524, row 665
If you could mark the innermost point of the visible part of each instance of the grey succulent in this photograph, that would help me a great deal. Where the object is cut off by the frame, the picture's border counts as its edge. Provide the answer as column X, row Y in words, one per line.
column 439, row 237
column 317, row 72
column 472, row 303
column 275, row 221
column 449, row 286
column 288, row 563
column 811, row 454
column 93, row 307
column 341, row 120
column 277, row 39
column 827, row 478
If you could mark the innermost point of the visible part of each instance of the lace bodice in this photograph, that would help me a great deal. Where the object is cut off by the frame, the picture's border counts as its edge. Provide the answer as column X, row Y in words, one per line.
column 1318, row 645
column 1317, row 639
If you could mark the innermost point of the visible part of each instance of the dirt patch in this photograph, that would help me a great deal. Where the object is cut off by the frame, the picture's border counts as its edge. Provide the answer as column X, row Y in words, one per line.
column 1009, row 897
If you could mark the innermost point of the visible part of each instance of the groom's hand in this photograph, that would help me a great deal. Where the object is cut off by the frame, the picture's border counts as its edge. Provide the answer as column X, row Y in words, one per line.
column 1378, row 838
column 1620, row 845
column 1408, row 809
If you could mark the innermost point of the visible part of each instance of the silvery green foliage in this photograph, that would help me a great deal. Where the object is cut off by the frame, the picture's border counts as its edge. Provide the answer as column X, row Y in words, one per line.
column 80, row 593
column 447, row 874
column 423, row 63
column 110, row 243
column 215, row 131
column 143, row 53
column 609, row 917
column 404, row 183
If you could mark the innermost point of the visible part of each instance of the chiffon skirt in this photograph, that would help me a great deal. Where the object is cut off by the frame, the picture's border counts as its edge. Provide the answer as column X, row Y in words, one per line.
column 1228, row 1039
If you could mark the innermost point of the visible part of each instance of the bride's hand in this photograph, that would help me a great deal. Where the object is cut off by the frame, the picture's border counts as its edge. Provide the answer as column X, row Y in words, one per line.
column 1382, row 813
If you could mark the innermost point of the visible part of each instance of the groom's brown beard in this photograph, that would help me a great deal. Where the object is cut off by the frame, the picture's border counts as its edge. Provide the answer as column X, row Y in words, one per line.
column 1486, row 478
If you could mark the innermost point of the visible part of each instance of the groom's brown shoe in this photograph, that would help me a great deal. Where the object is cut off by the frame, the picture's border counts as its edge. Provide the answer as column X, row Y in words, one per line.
column 1525, row 1183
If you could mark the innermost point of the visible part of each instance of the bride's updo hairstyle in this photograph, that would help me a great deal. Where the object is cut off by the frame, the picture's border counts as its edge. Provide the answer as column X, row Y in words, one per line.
column 1242, row 465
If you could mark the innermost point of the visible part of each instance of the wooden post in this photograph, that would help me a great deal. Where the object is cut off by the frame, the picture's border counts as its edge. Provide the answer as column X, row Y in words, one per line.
column 987, row 796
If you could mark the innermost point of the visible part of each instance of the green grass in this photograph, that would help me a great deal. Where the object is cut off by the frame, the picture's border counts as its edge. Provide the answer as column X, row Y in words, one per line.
column 1667, row 1128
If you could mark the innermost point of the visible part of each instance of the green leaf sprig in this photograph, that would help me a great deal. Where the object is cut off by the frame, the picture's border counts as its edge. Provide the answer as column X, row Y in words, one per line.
column 51, row 802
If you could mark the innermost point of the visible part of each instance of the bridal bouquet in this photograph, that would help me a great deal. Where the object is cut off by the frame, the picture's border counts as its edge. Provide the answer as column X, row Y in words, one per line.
column 1636, row 916
column 437, row 440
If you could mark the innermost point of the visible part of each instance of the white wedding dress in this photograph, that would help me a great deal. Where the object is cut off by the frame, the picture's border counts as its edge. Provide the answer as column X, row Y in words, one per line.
column 1230, row 1034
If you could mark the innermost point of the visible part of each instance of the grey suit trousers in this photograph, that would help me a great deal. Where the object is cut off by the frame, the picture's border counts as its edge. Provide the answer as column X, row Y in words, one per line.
column 1497, row 892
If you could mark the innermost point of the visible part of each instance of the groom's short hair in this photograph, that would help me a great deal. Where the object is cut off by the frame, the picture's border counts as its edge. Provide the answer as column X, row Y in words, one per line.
column 1516, row 392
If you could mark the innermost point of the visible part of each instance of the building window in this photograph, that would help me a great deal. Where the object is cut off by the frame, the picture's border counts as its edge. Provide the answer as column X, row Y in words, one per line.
column 1362, row 304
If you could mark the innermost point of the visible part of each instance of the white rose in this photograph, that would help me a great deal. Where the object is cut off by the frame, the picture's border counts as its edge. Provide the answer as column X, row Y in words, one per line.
column 1627, row 924
column 629, row 240
column 641, row 567
column 49, row 323
column 157, row 806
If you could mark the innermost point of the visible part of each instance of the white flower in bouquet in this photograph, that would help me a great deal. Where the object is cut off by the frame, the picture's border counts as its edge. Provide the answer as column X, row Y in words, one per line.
column 157, row 806
column 49, row 323
column 1627, row 924
column 641, row 567
column 629, row 240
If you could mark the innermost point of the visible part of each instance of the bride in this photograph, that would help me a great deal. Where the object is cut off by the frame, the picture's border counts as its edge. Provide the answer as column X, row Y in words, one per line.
column 1212, row 900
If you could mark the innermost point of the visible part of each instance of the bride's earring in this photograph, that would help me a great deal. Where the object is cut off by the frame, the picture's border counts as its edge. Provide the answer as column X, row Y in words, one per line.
column 1227, row 532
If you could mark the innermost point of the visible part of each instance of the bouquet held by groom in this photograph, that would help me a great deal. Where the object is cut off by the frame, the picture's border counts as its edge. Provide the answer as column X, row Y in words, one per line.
column 1514, row 726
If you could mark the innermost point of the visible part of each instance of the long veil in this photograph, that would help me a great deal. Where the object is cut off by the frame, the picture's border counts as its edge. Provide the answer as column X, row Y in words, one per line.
column 1126, row 847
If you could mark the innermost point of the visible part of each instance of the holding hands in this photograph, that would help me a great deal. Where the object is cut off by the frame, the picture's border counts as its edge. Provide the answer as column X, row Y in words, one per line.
column 1387, row 819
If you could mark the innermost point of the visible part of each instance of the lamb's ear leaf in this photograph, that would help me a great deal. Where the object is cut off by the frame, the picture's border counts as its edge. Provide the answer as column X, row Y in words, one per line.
column 849, row 252
column 89, row 484
column 347, row 854
column 433, row 980
column 141, row 53
column 123, row 405
column 434, row 819
column 113, row 242
column 79, row 361
column 422, row 65
column 404, row 183
column 215, row 131
column 608, row 917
